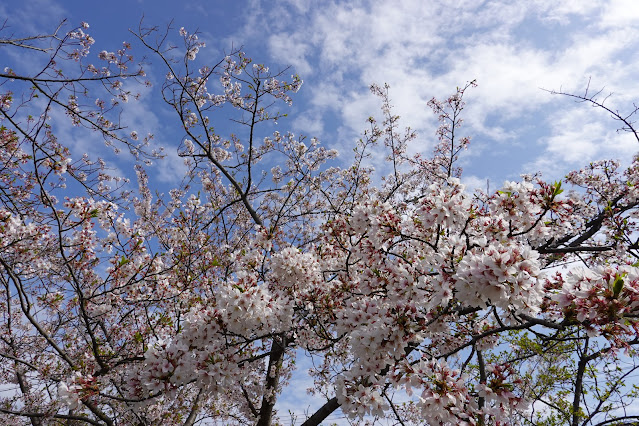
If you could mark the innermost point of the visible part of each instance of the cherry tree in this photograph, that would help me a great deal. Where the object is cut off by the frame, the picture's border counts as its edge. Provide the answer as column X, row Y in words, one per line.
column 418, row 301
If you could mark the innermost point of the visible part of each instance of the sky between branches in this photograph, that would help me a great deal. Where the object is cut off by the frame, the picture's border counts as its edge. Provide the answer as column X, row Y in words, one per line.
column 421, row 48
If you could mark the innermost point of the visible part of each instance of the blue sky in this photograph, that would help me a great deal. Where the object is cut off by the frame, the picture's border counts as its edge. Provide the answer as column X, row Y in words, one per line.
column 422, row 48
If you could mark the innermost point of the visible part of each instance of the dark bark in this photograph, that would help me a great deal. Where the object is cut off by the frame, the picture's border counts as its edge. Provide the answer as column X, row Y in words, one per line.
column 321, row 414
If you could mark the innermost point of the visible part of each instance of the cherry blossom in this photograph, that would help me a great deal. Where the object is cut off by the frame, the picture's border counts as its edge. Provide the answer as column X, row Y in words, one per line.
column 416, row 300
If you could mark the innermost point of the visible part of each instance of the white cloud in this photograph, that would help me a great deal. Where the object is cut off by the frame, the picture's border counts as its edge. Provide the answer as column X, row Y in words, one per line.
column 32, row 17
column 289, row 48
column 425, row 49
column 171, row 169
column 579, row 136
column 473, row 183
column 619, row 13
column 308, row 123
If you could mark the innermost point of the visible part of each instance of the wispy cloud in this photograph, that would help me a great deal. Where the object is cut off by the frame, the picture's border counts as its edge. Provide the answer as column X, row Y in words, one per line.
column 425, row 49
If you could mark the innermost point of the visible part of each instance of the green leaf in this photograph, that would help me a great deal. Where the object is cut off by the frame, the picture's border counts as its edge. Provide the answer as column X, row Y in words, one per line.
column 617, row 286
column 556, row 188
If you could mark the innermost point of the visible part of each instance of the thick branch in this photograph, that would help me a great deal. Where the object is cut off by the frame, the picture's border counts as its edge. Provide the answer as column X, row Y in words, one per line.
column 321, row 414
column 275, row 362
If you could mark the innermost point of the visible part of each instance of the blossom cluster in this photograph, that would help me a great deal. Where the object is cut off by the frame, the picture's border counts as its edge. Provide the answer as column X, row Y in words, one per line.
column 604, row 299
column 146, row 307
